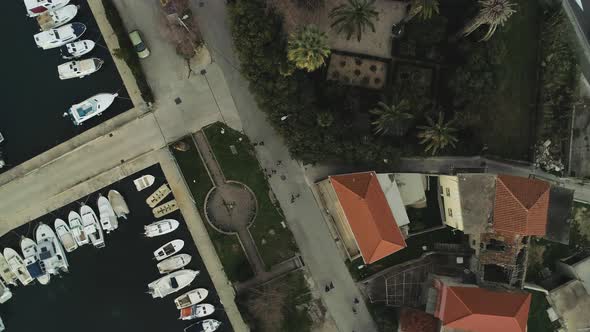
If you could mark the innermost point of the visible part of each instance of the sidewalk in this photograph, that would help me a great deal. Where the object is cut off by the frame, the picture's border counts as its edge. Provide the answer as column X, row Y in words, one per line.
column 201, row 238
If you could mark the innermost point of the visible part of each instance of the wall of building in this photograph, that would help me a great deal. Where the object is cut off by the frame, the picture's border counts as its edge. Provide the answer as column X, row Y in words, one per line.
column 330, row 202
column 451, row 201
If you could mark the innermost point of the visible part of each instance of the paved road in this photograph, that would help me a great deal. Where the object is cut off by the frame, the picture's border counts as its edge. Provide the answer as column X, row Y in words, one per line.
column 304, row 217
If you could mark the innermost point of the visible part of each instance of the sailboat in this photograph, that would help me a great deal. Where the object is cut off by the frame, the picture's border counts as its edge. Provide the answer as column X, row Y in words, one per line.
column 108, row 220
column 91, row 226
column 33, row 262
column 160, row 227
column 65, row 235
column 174, row 263
column 90, row 107
column 171, row 283
column 50, row 250
column 17, row 266
column 169, row 249
column 59, row 36
column 6, row 273
column 75, row 221
column 119, row 205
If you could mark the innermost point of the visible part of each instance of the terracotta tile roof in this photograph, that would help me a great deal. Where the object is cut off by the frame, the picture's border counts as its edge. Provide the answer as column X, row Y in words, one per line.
column 521, row 205
column 369, row 216
column 481, row 310
column 412, row 320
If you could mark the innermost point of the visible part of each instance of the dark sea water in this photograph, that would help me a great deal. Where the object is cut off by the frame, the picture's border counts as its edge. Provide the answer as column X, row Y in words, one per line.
column 105, row 290
column 33, row 98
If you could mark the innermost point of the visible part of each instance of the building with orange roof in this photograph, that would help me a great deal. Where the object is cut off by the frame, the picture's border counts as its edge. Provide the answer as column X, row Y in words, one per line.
column 412, row 320
column 521, row 206
column 366, row 220
column 475, row 309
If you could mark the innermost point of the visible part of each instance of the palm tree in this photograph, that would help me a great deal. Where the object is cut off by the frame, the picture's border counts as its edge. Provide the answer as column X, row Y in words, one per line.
column 423, row 8
column 324, row 119
column 437, row 135
column 493, row 13
column 391, row 118
column 308, row 48
column 354, row 17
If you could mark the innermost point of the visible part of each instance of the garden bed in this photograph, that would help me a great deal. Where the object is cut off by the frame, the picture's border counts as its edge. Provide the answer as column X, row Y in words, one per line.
column 228, row 247
column 274, row 242
column 358, row 71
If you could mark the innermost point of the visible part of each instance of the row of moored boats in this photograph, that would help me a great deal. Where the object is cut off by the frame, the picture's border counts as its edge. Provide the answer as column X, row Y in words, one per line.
column 54, row 17
column 172, row 263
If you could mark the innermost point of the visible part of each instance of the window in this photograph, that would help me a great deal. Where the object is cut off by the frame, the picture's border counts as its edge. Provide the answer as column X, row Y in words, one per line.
column 450, row 212
column 448, row 191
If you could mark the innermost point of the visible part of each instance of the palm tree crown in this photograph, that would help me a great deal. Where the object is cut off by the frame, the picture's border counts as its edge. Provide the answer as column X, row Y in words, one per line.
column 423, row 8
column 308, row 48
column 354, row 17
column 493, row 13
column 437, row 135
column 391, row 118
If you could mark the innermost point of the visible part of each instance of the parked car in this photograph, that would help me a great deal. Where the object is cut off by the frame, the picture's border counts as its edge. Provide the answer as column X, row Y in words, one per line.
column 138, row 44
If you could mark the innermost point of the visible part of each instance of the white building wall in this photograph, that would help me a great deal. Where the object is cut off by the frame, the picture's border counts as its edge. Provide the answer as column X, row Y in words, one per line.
column 449, row 190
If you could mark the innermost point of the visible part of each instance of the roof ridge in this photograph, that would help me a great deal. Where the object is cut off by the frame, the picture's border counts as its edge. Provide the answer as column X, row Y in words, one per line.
column 514, row 196
column 462, row 302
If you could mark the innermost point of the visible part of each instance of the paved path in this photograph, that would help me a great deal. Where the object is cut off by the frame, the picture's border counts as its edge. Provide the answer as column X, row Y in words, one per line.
column 303, row 216
column 209, row 158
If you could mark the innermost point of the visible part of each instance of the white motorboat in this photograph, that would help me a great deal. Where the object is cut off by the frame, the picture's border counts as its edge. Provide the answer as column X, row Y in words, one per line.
column 158, row 195
column 2, row 327
column 76, row 49
column 91, row 226
column 196, row 311
column 17, row 266
column 79, row 68
column 190, row 298
column 165, row 209
column 1, row 138
column 143, row 182
column 173, row 263
column 59, row 36
column 171, row 283
column 65, row 235
column 35, row 266
column 119, row 205
column 160, row 227
column 38, row 7
column 51, row 253
column 75, row 221
column 169, row 249
column 207, row 325
column 91, row 107
column 6, row 273
column 5, row 293
column 56, row 18
column 108, row 220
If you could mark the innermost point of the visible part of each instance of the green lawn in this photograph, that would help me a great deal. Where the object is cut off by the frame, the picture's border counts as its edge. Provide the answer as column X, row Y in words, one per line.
column 228, row 247
column 412, row 251
column 506, row 124
column 538, row 319
column 274, row 242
